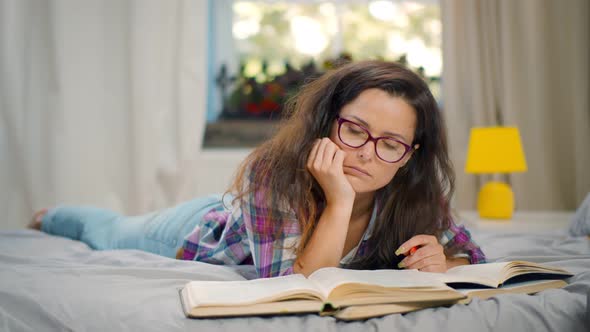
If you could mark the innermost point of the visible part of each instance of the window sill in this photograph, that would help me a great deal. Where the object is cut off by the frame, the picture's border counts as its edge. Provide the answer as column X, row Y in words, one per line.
column 238, row 134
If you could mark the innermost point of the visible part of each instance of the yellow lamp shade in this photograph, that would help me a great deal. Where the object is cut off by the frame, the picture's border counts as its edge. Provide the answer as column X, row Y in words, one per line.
column 495, row 150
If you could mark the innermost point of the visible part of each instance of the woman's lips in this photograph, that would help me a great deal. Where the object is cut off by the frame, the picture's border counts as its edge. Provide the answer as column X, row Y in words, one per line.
column 357, row 171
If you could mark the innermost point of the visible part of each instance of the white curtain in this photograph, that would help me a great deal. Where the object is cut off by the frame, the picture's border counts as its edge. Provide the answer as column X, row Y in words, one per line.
column 523, row 63
column 102, row 103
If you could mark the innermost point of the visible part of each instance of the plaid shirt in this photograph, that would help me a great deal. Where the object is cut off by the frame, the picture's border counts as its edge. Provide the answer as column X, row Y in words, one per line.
column 243, row 234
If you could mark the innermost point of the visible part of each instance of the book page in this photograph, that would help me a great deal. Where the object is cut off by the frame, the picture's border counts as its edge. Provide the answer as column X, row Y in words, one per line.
column 515, row 268
column 377, row 310
column 232, row 293
column 525, row 287
column 495, row 274
column 488, row 274
column 327, row 279
column 258, row 309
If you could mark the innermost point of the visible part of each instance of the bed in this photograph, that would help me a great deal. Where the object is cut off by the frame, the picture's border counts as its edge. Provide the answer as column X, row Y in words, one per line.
column 49, row 283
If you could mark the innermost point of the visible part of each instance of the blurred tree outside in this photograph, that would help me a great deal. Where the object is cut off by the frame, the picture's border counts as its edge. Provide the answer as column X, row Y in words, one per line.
column 280, row 44
column 299, row 32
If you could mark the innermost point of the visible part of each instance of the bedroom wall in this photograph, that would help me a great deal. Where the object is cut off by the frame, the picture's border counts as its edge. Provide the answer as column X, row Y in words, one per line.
column 103, row 103
column 211, row 172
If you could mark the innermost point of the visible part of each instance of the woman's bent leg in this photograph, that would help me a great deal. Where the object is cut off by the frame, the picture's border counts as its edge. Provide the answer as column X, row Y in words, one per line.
column 160, row 232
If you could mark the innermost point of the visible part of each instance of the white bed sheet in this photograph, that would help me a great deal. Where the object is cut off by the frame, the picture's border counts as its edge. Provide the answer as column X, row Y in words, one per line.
column 53, row 284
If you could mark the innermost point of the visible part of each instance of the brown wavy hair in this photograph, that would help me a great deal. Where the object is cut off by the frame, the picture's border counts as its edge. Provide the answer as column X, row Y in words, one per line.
column 414, row 202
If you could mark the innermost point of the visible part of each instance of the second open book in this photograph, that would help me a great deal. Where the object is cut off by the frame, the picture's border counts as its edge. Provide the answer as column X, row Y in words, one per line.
column 356, row 294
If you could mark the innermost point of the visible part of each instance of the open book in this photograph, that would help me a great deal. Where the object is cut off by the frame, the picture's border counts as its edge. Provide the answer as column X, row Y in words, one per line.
column 358, row 294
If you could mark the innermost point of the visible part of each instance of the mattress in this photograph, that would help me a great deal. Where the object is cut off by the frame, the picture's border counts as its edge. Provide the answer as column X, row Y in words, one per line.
column 50, row 283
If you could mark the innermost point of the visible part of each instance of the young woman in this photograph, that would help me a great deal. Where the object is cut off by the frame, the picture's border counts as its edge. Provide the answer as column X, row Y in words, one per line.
column 357, row 175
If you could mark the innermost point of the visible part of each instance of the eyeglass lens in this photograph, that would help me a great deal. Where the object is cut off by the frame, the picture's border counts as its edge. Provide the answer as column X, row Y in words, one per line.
column 355, row 136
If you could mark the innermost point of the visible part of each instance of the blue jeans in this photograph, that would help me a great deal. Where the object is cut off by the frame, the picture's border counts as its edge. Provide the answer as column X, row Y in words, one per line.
column 160, row 232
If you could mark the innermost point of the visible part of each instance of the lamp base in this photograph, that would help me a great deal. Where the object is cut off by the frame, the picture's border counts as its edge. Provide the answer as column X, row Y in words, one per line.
column 495, row 201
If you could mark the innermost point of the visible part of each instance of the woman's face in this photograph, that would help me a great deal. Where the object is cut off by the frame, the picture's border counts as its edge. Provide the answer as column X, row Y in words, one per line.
column 383, row 115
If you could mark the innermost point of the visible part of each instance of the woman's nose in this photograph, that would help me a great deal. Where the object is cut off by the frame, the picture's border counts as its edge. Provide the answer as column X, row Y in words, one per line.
column 367, row 151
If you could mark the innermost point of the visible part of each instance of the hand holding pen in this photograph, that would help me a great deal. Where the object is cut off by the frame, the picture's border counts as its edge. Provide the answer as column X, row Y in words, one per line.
column 424, row 253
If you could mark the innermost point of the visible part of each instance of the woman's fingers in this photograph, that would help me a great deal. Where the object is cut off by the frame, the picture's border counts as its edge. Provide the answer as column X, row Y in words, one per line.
column 415, row 241
column 319, row 158
column 339, row 159
column 436, row 263
column 429, row 255
column 325, row 165
column 322, row 155
column 313, row 153
column 441, row 268
column 329, row 153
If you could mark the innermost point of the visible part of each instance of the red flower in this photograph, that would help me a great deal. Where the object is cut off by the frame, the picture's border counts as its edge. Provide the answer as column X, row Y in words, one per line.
column 268, row 105
column 253, row 108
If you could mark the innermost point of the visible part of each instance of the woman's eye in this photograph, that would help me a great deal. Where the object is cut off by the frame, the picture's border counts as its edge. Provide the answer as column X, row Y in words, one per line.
column 391, row 145
column 356, row 131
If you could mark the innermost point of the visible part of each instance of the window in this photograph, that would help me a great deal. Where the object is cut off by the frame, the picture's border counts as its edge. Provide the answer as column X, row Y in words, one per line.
column 271, row 47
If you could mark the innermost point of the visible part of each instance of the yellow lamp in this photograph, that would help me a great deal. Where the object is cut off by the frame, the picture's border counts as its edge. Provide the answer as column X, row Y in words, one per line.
column 495, row 150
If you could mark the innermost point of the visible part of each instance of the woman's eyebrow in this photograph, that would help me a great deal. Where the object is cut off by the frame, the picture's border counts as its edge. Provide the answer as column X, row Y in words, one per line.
column 387, row 133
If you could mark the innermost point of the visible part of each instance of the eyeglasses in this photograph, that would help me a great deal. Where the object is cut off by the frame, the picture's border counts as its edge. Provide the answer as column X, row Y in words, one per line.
column 387, row 149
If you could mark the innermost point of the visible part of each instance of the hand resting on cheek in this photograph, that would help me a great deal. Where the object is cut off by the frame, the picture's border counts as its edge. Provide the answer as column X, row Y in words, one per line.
column 325, row 164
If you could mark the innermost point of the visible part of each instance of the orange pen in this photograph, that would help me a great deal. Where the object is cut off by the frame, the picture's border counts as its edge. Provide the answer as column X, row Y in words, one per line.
column 410, row 253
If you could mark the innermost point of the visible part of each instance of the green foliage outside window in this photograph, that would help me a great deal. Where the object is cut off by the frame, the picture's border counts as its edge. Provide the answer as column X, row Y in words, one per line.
column 282, row 45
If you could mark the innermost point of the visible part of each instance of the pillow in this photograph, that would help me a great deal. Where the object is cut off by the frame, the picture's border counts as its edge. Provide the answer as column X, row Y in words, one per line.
column 580, row 224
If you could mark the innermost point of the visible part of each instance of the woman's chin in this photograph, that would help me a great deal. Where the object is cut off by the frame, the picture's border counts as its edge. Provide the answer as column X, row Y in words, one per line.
column 358, row 185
